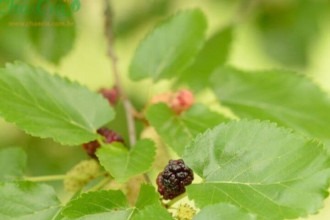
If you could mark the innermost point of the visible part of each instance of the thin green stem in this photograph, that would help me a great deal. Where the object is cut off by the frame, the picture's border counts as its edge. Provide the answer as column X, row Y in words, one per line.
column 44, row 178
column 175, row 200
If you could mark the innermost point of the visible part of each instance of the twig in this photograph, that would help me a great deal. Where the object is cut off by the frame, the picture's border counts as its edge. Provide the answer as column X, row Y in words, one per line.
column 45, row 178
column 244, row 10
column 115, row 72
column 129, row 110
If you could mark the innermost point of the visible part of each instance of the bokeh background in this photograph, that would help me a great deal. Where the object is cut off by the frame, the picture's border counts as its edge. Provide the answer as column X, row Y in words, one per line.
column 268, row 34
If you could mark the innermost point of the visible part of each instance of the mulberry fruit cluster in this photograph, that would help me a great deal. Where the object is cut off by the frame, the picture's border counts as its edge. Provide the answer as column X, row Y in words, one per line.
column 185, row 212
column 80, row 175
column 109, row 137
column 112, row 95
column 179, row 101
column 172, row 181
column 182, row 101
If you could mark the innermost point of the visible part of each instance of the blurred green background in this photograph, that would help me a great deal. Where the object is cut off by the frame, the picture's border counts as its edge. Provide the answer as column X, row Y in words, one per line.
column 290, row 34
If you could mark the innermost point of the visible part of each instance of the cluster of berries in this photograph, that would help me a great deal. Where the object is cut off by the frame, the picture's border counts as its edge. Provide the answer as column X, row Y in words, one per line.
column 179, row 101
column 80, row 175
column 185, row 212
column 109, row 137
column 172, row 180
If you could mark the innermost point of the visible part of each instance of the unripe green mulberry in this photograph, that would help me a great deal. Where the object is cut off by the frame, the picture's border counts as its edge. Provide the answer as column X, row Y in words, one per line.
column 80, row 175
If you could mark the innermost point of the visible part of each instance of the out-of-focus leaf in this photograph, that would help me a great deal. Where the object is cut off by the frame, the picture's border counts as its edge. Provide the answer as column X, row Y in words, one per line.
column 213, row 54
column 288, row 28
column 48, row 26
column 178, row 130
column 27, row 201
column 138, row 16
column 170, row 47
column 12, row 163
column 48, row 106
column 14, row 39
column 55, row 36
column 123, row 164
column 259, row 167
column 284, row 97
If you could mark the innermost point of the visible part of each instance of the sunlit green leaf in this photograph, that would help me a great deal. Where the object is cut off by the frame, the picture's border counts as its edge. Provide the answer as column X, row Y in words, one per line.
column 98, row 205
column 28, row 201
column 147, row 196
column 223, row 211
column 261, row 168
column 122, row 163
column 49, row 106
column 153, row 212
column 170, row 47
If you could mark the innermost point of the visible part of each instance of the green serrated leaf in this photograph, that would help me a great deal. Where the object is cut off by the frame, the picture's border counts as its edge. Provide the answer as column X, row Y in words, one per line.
column 12, row 163
column 148, row 205
column 223, row 211
column 178, row 131
column 287, row 98
column 170, row 47
column 48, row 106
column 124, row 164
column 213, row 54
column 28, row 201
column 96, row 204
column 153, row 212
column 147, row 196
column 55, row 40
column 110, row 215
column 259, row 167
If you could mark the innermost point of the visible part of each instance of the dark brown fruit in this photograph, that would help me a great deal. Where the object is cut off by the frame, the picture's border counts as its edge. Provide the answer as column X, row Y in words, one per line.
column 109, row 137
column 172, row 181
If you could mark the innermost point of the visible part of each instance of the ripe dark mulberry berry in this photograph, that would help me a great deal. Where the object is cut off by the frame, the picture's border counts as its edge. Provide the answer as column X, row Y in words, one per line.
column 109, row 137
column 172, row 181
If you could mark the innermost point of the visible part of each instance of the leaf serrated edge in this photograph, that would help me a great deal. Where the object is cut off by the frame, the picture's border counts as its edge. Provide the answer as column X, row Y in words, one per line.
column 40, row 71
column 273, row 125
